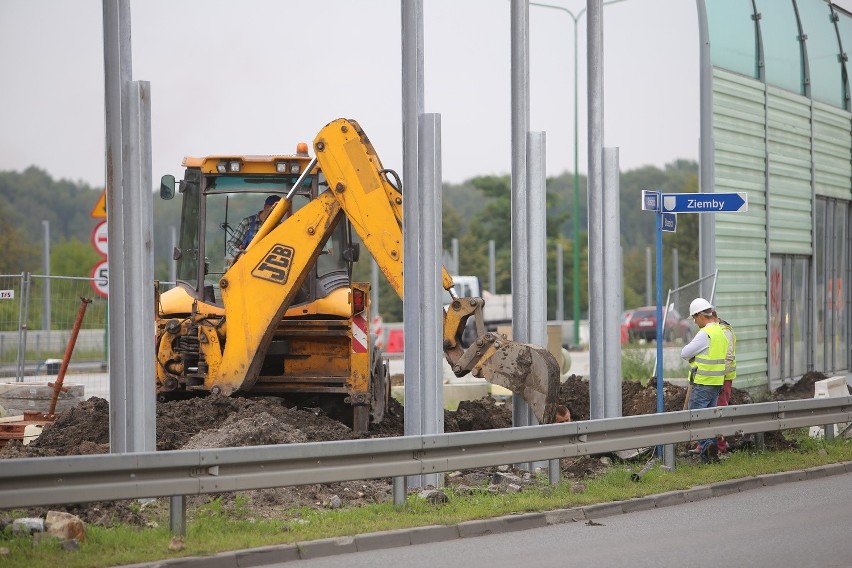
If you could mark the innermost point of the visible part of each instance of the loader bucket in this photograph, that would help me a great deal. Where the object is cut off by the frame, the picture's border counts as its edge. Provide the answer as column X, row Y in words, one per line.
column 528, row 371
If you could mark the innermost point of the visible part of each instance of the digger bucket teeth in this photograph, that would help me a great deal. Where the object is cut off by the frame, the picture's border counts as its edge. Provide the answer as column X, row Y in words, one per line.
column 528, row 371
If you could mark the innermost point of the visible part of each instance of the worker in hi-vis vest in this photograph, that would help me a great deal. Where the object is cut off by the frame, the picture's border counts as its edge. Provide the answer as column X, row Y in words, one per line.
column 706, row 354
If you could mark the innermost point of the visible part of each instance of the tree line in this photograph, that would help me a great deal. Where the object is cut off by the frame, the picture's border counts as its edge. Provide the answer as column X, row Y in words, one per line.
column 474, row 212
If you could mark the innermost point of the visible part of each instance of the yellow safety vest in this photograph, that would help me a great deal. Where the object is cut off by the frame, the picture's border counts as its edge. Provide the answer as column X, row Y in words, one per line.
column 710, row 366
column 732, row 370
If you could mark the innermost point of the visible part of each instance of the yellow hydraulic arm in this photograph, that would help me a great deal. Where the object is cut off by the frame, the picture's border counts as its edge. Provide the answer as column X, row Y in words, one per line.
column 373, row 206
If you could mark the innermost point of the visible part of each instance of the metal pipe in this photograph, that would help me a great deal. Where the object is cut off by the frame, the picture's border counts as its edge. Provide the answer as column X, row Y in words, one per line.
column 520, row 127
column 429, row 265
column 492, row 270
column 399, row 490
column 177, row 515
column 45, row 314
column 69, row 349
column 612, row 286
column 560, row 285
column 117, row 76
column 412, row 108
column 594, row 10
column 576, row 248
column 706, row 154
column 23, row 317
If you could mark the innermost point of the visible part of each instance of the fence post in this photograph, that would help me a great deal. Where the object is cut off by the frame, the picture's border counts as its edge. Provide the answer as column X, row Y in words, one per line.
column 23, row 316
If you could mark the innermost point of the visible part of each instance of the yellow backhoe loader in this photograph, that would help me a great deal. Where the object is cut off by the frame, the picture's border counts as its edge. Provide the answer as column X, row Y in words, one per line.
column 271, row 308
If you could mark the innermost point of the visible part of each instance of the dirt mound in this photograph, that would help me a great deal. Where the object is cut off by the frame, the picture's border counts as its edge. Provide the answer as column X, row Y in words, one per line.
column 83, row 429
column 179, row 420
column 209, row 422
column 230, row 422
column 258, row 430
column 482, row 414
column 635, row 398
column 803, row 388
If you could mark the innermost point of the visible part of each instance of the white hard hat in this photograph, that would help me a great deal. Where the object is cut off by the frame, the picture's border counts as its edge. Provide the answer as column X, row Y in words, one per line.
column 699, row 305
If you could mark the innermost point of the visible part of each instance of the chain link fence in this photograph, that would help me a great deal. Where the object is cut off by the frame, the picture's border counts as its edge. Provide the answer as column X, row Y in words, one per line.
column 37, row 315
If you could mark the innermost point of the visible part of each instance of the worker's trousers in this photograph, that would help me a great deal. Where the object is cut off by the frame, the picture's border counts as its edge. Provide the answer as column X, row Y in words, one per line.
column 704, row 396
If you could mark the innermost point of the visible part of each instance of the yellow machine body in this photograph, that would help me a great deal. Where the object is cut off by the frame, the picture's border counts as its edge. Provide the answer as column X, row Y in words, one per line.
column 282, row 315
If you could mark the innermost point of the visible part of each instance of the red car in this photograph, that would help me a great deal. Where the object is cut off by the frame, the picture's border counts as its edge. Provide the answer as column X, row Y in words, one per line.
column 641, row 323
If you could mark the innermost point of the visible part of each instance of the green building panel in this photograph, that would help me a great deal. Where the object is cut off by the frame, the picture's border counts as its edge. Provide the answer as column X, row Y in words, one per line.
column 832, row 150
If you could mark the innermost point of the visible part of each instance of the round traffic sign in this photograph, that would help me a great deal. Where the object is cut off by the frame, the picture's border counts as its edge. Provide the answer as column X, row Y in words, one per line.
column 99, row 237
column 100, row 278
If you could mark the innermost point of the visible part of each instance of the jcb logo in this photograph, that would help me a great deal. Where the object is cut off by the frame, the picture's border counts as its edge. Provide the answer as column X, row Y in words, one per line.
column 275, row 266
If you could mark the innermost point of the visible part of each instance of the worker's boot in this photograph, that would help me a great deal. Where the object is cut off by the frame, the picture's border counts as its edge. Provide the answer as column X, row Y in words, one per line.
column 710, row 453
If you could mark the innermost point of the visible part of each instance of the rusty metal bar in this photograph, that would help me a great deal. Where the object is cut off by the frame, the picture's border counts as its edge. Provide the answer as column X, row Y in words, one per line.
column 69, row 349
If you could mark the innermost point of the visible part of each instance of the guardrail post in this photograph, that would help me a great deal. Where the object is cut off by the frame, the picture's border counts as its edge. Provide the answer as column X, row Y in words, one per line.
column 177, row 515
column 399, row 491
column 553, row 472
column 829, row 432
column 669, row 457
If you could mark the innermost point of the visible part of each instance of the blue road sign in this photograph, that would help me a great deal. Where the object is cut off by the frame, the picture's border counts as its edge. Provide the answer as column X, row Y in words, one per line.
column 704, row 202
column 650, row 200
column 669, row 222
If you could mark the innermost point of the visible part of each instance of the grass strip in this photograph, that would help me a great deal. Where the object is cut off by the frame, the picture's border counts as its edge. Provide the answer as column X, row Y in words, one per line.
column 211, row 528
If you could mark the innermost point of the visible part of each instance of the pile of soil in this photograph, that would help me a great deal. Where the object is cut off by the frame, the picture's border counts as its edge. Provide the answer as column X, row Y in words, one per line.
column 209, row 422
column 803, row 388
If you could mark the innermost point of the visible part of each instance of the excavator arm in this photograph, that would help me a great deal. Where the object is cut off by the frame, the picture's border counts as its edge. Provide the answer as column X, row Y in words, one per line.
column 373, row 206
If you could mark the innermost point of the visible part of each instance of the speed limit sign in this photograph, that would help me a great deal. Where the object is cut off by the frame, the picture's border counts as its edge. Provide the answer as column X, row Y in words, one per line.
column 100, row 278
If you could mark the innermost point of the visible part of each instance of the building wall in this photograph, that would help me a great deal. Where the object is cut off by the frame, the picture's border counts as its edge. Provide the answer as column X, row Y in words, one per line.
column 739, row 132
column 776, row 124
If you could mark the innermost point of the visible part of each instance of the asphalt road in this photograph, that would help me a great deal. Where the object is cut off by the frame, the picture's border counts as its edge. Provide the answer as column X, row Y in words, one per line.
column 805, row 523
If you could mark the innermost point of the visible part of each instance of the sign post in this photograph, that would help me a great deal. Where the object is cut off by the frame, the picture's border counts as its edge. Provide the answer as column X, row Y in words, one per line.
column 667, row 206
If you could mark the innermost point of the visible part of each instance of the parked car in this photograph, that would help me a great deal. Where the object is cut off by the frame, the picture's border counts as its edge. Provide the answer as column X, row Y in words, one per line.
column 641, row 323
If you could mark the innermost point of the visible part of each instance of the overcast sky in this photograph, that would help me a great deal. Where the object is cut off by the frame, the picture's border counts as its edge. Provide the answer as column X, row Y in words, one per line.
column 258, row 76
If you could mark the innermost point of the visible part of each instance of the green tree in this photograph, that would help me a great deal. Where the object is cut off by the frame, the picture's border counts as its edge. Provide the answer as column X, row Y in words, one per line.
column 73, row 258
column 638, row 230
column 19, row 253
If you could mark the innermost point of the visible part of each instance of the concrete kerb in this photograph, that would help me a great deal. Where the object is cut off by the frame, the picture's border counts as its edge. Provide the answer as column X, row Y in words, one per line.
column 267, row 555
column 384, row 539
column 782, row 477
column 519, row 522
column 439, row 533
column 326, row 547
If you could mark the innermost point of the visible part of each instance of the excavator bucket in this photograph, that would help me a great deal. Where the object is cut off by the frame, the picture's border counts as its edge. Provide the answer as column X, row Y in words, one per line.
column 528, row 371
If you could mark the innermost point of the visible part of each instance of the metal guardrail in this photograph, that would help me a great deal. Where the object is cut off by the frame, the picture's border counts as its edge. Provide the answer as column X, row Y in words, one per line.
column 80, row 479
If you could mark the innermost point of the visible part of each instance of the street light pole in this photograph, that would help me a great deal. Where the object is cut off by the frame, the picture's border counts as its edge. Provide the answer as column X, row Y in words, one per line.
column 576, row 246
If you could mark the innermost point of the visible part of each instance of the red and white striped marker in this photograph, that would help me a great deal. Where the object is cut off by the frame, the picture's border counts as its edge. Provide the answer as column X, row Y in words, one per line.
column 359, row 334
column 378, row 331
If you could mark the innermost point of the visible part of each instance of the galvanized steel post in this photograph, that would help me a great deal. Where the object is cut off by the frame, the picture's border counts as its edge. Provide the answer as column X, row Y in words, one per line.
column 117, row 74
column 412, row 108
column 594, row 20
column 429, row 265
column 612, row 284
column 520, row 235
